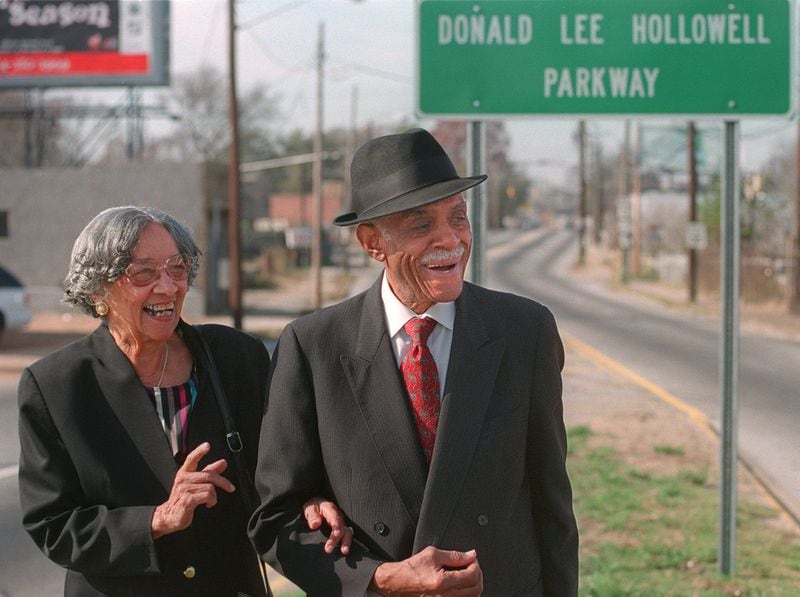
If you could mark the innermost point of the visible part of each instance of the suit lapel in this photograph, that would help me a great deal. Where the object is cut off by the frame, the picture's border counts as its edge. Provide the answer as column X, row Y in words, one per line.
column 378, row 390
column 130, row 403
column 474, row 362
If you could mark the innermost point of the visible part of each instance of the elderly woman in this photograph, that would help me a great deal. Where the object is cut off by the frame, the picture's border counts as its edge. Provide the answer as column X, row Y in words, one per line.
column 125, row 476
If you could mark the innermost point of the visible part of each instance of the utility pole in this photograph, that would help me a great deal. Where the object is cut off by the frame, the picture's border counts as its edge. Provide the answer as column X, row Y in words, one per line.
column 316, row 212
column 582, row 207
column 692, row 192
column 350, row 149
column 623, row 205
column 598, row 212
column 636, row 201
column 794, row 291
column 234, row 242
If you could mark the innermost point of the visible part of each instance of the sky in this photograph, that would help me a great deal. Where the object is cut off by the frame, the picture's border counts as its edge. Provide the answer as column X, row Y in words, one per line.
column 370, row 74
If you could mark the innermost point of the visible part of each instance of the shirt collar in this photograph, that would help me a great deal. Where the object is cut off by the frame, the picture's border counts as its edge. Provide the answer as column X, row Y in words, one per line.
column 397, row 314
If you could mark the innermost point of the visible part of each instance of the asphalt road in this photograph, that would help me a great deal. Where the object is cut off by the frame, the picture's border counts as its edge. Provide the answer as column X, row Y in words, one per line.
column 678, row 352
column 24, row 571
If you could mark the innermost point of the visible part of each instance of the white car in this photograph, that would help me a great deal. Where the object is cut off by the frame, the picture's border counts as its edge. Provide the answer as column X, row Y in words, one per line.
column 13, row 302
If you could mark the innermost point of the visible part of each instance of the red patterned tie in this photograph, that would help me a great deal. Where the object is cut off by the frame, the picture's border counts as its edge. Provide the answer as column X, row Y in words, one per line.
column 422, row 382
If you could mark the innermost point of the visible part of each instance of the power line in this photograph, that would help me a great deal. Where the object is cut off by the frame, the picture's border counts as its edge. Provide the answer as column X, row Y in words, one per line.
column 293, row 68
column 371, row 70
column 215, row 19
column 362, row 68
column 270, row 14
column 292, row 160
column 304, row 69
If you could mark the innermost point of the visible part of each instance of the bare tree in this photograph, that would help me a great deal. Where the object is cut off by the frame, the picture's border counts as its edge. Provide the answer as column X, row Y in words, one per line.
column 203, row 132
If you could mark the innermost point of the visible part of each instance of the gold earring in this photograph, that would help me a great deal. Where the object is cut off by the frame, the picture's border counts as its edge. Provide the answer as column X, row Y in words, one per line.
column 101, row 309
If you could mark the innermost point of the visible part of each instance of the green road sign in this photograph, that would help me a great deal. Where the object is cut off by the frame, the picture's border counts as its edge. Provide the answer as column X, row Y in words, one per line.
column 484, row 58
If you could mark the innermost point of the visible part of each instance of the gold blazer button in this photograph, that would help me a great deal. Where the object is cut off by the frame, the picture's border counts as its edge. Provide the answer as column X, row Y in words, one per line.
column 189, row 572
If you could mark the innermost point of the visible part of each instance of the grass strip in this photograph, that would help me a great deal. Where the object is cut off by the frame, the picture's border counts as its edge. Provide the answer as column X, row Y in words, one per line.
column 646, row 533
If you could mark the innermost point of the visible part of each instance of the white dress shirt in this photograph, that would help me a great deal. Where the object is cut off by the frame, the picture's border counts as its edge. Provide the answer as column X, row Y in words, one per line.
column 440, row 340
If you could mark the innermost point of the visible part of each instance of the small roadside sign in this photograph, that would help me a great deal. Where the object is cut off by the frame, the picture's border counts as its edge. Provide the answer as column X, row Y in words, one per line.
column 696, row 236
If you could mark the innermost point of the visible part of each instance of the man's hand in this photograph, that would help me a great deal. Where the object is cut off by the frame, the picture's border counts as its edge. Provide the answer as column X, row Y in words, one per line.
column 431, row 572
column 191, row 488
column 318, row 509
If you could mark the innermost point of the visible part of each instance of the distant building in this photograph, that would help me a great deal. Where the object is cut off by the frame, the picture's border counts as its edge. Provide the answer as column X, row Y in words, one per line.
column 296, row 209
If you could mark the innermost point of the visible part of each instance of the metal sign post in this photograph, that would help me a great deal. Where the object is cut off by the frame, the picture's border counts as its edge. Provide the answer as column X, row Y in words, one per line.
column 476, row 151
column 729, row 348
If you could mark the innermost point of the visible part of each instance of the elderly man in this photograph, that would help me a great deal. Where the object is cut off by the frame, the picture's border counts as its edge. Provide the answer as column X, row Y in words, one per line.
column 427, row 408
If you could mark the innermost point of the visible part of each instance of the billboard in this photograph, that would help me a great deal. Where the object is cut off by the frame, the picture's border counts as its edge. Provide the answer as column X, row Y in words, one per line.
column 65, row 43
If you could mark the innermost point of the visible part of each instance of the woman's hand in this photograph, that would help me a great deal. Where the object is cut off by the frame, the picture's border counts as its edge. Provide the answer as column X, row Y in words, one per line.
column 318, row 509
column 191, row 488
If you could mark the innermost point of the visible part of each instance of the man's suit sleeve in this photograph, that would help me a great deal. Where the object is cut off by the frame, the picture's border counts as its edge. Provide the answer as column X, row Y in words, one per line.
column 290, row 471
column 547, row 453
column 91, row 539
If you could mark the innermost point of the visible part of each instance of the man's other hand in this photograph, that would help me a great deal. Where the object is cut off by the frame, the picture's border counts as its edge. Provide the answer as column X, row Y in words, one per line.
column 431, row 572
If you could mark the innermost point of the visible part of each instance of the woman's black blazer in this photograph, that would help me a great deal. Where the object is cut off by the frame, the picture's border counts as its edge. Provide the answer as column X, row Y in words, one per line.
column 95, row 462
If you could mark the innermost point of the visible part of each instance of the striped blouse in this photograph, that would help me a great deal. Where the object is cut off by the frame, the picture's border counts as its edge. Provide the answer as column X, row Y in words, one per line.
column 173, row 406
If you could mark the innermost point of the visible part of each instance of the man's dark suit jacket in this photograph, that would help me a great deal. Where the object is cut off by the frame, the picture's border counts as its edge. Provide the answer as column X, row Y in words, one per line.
column 95, row 462
column 338, row 424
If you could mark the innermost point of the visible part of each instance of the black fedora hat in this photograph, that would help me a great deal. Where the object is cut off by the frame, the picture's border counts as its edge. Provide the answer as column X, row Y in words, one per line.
column 394, row 173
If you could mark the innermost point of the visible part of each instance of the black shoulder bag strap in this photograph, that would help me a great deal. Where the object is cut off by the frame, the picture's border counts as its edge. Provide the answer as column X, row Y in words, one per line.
column 246, row 487
column 232, row 437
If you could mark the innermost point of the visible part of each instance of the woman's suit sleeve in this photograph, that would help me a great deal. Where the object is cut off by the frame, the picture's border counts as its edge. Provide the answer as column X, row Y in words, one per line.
column 92, row 539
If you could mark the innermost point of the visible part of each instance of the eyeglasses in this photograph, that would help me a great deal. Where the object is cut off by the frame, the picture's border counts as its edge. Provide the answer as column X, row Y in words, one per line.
column 144, row 271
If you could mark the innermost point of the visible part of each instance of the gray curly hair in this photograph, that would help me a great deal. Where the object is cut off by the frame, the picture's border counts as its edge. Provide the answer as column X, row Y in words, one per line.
column 105, row 246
